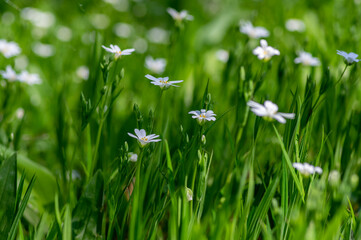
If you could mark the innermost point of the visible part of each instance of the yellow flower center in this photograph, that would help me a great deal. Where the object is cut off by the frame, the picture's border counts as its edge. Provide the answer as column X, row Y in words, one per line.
column 164, row 81
column 144, row 139
column 202, row 116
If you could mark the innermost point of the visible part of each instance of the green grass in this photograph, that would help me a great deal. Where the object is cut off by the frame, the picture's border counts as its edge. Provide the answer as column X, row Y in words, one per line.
column 65, row 169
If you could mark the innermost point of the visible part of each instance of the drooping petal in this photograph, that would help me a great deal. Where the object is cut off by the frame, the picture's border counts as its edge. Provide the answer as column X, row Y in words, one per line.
column 287, row 115
column 279, row 118
column 132, row 135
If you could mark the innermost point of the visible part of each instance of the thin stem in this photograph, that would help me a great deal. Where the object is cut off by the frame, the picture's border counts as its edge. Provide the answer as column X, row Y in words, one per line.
column 344, row 70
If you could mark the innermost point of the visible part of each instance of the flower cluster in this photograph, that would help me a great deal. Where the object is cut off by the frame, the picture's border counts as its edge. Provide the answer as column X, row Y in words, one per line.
column 25, row 77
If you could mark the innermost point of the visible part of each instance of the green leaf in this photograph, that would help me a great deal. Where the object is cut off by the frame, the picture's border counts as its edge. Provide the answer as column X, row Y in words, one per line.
column 289, row 164
column 86, row 213
column 7, row 193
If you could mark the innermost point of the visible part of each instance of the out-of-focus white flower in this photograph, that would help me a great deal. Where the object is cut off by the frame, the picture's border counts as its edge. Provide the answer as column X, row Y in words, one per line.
column 179, row 16
column 265, row 52
column 306, row 59
column 307, row 169
column 141, row 45
column 64, row 34
column 9, row 74
column 83, row 72
column 117, row 52
column 253, row 32
column 29, row 78
column 21, row 62
column 38, row 18
column 143, row 138
column 334, row 178
column 9, row 49
column 100, row 21
column 122, row 30
column 43, row 50
column 7, row 18
column 203, row 116
column 269, row 111
column 222, row 55
column 155, row 65
column 20, row 113
column 158, row 35
column 350, row 58
column 189, row 194
column 163, row 83
column 295, row 25
column 133, row 157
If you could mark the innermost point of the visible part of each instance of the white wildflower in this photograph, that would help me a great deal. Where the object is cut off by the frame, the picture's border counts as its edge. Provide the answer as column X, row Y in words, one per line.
column 306, row 59
column 269, row 111
column 83, row 72
column 350, row 58
column 179, row 16
column 253, row 32
column 189, row 194
column 307, row 169
column 29, row 78
column 117, row 52
column 265, row 52
column 163, row 83
column 222, row 55
column 133, row 157
column 9, row 74
column 9, row 49
column 295, row 25
column 155, row 65
column 203, row 115
column 142, row 137
column 43, row 50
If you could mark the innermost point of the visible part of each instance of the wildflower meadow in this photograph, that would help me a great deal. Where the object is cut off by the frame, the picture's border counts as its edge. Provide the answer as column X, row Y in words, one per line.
column 188, row 119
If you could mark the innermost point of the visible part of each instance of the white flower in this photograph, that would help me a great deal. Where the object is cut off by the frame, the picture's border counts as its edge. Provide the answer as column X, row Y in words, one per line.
column 158, row 35
column 83, row 72
column 117, row 52
column 269, row 110
column 162, row 82
column 43, row 50
column 203, row 115
column 155, row 65
column 9, row 74
column 306, row 59
column 253, row 32
column 179, row 16
column 265, row 52
column 20, row 113
column 307, row 169
column 29, row 78
column 9, row 49
column 222, row 55
column 350, row 58
column 38, row 18
column 142, row 137
column 133, row 157
column 295, row 25
column 334, row 178
column 189, row 194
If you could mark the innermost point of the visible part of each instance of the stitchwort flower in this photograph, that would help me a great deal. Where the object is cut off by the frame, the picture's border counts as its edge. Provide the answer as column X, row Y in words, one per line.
column 163, row 83
column 265, row 52
column 203, row 115
column 307, row 169
column 306, row 59
column 155, row 65
column 143, row 138
column 117, row 51
column 29, row 78
column 269, row 111
column 350, row 58
column 253, row 32
column 179, row 16
column 9, row 49
column 9, row 74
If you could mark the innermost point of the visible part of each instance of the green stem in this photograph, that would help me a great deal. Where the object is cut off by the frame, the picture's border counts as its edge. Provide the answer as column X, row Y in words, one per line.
column 344, row 70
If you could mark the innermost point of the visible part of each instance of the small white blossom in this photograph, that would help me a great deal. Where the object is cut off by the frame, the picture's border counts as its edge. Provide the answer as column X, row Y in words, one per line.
column 38, row 18
column 189, row 194
column 162, row 82
column 9, row 74
column 117, row 52
column 20, row 113
column 29, row 78
column 43, row 50
column 253, row 32
column 269, row 111
column 265, row 52
column 158, row 35
column 350, row 58
column 9, row 49
column 142, row 137
column 307, row 169
column 133, row 157
column 295, row 25
column 334, row 178
column 155, row 65
column 203, row 115
column 83, row 72
column 222, row 55
column 306, row 59
column 179, row 16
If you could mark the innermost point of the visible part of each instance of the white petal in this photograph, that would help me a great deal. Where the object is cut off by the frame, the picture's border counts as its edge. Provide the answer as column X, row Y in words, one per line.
column 132, row 135
column 263, row 43
column 287, row 115
column 150, row 77
column 279, row 118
